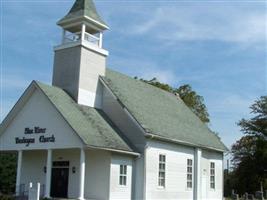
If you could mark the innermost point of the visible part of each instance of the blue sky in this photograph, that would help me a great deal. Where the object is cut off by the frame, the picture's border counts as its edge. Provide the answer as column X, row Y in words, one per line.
column 218, row 47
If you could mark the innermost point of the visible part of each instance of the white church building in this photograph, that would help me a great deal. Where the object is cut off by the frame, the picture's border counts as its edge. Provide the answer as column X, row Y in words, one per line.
column 98, row 134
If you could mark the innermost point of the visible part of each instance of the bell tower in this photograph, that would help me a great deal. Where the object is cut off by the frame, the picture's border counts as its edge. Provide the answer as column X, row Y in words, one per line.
column 80, row 58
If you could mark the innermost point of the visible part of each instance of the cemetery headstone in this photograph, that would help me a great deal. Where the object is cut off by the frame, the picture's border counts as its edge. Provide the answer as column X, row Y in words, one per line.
column 259, row 195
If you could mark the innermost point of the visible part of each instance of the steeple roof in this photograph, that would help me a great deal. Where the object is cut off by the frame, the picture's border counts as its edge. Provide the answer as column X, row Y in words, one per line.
column 83, row 9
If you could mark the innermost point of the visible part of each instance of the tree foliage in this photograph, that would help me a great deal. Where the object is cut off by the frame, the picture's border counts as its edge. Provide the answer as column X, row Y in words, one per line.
column 194, row 101
column 250, row 152
column 7, row 172
column 229, row 182
column 256, row 126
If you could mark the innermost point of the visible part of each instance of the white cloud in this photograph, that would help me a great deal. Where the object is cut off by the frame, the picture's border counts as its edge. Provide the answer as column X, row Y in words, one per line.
column 163, row 76
column 227, row 23
column 225, row 111
column 14, row 82
column 231, row 104
column 144, row 69
column 6, row 107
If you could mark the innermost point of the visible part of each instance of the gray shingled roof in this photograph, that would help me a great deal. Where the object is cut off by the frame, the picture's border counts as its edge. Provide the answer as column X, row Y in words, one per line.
column 82, row 8
column 161, row 113
column 92, row 125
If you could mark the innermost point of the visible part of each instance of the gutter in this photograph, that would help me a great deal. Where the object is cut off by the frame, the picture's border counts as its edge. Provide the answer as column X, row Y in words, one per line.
column 157, row 137
column 115, row 150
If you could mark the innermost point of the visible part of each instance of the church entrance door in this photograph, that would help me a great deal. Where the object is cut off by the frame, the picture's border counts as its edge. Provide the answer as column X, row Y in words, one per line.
column 60, row 179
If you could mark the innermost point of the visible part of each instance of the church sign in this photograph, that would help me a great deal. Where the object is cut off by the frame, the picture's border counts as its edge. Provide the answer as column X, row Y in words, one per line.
column 29, row 139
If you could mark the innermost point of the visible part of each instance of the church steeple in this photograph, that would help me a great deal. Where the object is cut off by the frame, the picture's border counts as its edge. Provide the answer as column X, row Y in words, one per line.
column 80, row 58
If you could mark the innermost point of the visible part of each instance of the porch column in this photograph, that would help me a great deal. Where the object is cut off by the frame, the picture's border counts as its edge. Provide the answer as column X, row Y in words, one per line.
column 48, row 173
column 82, row 174
column 18, row 172
column 197, row 174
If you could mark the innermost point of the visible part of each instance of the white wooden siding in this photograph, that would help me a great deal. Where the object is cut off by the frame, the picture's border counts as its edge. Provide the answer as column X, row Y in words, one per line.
column 39, row 112
column 118, row 191
column 97, row 173
column 32, row 168
column 176, row 171
column 217, row 158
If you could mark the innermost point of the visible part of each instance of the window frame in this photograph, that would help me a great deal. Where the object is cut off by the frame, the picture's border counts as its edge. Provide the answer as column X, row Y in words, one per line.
column 189, row 173
column 212, row 176
column 162, row 171
column 123, row 175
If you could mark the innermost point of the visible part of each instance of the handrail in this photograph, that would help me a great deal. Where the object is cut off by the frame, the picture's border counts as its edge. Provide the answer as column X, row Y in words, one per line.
column 92, row 36
column 74, row 37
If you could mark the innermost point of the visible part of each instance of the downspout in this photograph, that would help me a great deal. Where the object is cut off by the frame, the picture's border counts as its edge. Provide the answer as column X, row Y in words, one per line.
column 144, row 189
column 197, row 174
column 222, row 176
column 109, row 188
column 133, row 189
column 145, row 159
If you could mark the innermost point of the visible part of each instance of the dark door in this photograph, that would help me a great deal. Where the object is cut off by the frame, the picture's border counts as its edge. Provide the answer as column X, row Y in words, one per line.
column 59, row 182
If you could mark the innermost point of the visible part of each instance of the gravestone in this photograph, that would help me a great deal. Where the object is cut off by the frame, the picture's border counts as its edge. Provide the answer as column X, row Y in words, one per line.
column 251, row 197
column 259, row 195
column 235, row 196
column 246, row 196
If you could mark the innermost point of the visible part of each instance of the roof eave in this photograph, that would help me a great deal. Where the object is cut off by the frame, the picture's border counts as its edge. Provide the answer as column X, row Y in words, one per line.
column 115, row 150
column 67, row 21
column 165, row 139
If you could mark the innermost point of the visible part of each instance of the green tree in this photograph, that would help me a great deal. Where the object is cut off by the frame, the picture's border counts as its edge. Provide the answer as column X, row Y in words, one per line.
column 229, row 182
column 256, row 126
column 7, row 172
column 194, row 101
column 250, row 152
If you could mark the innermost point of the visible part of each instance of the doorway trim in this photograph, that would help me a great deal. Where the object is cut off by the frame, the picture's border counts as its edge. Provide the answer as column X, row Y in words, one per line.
column 61, row 169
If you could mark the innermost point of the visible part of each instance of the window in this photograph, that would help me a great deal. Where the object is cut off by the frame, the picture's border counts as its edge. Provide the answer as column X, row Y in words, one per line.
column 123, row 174
column 162, row 170
column 212, row 175
column 189, row 173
